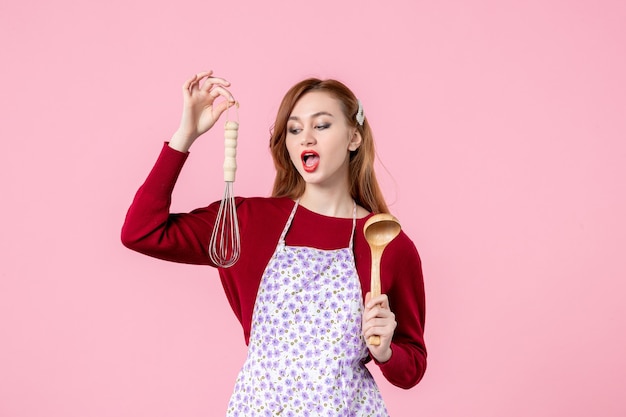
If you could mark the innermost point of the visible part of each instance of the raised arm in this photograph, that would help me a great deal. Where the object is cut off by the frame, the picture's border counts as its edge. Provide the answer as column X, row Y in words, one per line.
column 149, row 227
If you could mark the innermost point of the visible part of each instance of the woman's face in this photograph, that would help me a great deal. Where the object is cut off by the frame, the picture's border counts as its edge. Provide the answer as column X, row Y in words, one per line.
column 319, row 140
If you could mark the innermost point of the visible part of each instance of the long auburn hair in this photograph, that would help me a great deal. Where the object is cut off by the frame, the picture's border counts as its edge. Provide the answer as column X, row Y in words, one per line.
column 364, row 187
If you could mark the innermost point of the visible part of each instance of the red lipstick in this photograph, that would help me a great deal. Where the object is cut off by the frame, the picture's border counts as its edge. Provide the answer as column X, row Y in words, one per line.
column 310, row 160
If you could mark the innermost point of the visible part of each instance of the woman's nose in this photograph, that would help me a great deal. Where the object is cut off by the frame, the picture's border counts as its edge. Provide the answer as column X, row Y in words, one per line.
column 308, row 137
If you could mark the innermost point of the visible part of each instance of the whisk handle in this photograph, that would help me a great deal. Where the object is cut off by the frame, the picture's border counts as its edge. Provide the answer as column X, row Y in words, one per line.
column 230, row 150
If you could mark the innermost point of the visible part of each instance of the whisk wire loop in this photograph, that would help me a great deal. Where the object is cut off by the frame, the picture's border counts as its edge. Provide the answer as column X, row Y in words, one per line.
column 225, row 244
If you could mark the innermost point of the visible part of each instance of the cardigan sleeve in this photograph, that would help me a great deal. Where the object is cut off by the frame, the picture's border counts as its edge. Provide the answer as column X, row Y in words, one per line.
column 402, row 270
column 151, row 229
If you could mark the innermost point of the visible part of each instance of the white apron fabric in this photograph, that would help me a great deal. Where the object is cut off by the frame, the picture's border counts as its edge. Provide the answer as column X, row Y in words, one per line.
column 306, row 352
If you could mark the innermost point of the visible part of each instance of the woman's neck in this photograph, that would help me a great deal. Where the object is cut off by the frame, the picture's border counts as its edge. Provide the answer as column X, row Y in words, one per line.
column 327, row 201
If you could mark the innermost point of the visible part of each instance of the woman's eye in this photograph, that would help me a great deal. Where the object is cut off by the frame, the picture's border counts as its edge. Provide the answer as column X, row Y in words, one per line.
column 323, row 126
column 294, row 130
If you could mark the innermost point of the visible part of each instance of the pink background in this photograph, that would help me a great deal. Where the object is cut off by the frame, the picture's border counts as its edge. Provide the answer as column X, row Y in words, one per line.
column 502, row 128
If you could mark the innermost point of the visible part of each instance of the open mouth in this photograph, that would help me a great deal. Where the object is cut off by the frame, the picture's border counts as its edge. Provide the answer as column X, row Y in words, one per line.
column 310, row 160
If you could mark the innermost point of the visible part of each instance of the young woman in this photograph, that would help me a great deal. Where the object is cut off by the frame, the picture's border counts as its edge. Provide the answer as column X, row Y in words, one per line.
column 301, row 286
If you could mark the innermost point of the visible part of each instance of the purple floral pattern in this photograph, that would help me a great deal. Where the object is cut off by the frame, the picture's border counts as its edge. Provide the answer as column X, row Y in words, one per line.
column 306, row 353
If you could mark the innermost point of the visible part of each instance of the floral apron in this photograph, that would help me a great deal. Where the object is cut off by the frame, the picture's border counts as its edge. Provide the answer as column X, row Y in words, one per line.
column 306, row 352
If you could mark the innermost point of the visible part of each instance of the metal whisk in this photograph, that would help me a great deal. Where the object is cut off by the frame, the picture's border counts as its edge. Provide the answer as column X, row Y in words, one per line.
column 225, row 244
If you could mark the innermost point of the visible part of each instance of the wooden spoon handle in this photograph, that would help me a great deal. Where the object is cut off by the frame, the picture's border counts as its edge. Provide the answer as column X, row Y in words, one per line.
column 375, row 287
column 374, row 340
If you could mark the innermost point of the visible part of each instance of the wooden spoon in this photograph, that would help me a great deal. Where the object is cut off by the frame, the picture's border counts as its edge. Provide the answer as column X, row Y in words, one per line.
column 379, row 230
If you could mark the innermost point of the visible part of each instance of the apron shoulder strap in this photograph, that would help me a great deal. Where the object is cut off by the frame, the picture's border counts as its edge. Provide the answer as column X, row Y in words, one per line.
column 288, row 224
column 353, row 225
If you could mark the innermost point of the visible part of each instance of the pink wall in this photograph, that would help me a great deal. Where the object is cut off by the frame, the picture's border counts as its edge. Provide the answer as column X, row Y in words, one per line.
column 502, row 126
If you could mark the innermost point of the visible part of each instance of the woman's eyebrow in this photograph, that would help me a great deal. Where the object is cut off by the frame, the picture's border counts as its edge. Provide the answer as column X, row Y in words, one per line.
column 314, row 115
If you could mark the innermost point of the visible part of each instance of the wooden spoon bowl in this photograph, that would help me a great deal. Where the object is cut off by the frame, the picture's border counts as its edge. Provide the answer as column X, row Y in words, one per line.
column 379, row 230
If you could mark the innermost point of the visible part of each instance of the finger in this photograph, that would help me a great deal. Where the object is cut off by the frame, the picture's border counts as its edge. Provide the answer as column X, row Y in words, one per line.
column 220, row 91
column 377, row 313
column 203, row 74
column 221, row 107
column 367, row 333
column 188, row 84
column 381, row 300
column 379, row 327
column 194, row 82
column 382, row 322
column 209, row 82
column 381, row 331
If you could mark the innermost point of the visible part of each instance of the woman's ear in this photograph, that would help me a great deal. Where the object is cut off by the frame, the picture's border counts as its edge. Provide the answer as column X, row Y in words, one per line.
column 355, row 141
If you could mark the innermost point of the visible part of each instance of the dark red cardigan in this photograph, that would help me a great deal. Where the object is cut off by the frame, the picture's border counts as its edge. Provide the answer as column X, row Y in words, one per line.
column 151, row 229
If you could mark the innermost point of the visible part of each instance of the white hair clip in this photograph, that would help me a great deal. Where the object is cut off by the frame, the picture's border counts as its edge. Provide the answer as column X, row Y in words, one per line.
column 360, row 115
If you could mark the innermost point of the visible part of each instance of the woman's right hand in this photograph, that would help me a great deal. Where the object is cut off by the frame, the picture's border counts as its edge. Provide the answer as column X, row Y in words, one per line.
column 200, row 112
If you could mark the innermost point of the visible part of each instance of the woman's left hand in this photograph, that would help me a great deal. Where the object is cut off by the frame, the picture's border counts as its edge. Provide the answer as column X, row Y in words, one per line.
column 379, row 320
